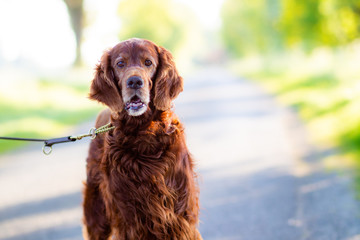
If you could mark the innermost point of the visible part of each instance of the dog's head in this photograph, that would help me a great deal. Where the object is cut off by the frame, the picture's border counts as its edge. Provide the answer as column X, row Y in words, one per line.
column 134, row 75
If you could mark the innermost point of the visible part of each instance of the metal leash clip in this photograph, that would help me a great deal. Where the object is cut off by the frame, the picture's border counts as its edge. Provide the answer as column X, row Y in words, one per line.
column 92, row 134
column 47, row 148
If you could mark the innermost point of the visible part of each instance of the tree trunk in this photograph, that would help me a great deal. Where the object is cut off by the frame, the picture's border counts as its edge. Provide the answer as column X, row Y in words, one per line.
column 76, row 12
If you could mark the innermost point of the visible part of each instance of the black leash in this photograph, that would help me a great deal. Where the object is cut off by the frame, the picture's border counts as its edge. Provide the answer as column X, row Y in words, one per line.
column 48, row 143
column 47, row 148
column 24, row 139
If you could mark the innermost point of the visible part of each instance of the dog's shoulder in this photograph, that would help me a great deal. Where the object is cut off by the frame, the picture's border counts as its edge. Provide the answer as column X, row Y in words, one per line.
column 103, row 118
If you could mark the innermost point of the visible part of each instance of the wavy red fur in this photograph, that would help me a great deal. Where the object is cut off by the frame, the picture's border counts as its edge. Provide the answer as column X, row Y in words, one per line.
column 141, row 182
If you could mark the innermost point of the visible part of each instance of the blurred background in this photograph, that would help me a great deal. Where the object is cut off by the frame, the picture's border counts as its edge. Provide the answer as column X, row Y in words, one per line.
column 304, row 53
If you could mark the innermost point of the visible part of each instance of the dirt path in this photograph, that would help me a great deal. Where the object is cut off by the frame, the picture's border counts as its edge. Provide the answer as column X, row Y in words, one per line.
column 259, row 177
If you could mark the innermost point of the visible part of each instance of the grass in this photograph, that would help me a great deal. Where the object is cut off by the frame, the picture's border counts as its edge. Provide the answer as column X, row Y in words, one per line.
column 326, row 96
column 42, row 107
column 330, row 107
column 327, row 103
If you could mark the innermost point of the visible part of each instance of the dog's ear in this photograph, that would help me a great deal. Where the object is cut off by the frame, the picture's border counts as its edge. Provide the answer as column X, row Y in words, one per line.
column 104, row 87
column 168, row 83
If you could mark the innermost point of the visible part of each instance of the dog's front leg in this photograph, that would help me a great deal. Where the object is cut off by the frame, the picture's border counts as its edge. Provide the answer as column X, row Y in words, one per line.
column 97, row 226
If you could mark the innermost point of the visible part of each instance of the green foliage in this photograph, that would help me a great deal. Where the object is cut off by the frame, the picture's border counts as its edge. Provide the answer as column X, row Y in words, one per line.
column 350, row 140
column 322, row 81
column 300, row 21
column 250, row 26
column 156, row 20
column 262, row 26
column 314, row 23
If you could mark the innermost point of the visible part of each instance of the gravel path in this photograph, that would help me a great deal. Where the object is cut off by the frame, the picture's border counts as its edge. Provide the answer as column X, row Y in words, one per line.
column 260, row 179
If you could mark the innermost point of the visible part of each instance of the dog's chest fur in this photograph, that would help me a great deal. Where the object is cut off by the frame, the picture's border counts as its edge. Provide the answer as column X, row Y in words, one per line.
column 140, row 169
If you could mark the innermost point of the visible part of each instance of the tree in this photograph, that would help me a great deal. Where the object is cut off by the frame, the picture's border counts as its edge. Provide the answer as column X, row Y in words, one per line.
column 314, row 23
column 76, row 12
column 250, row 26
column 262, row 26
column 300, row 23
column 350, row 18
column 156, row 20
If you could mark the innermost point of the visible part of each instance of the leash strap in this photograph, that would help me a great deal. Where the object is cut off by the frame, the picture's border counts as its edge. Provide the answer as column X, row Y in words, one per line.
column 24, row 139
column 48, row 143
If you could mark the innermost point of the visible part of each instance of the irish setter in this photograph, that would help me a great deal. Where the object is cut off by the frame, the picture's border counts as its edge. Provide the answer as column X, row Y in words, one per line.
column 140, row 176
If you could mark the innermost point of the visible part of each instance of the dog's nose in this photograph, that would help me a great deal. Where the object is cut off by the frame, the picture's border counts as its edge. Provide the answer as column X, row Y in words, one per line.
column 135, row 82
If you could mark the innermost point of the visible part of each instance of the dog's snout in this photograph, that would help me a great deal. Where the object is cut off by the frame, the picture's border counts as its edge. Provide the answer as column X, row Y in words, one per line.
column 135, row 82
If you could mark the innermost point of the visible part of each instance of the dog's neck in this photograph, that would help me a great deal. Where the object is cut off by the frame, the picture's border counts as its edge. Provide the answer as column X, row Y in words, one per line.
column 156, row 132
column 130, row 125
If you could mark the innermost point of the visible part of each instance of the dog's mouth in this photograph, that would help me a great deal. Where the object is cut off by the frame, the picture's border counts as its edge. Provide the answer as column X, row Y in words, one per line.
column 135, row 106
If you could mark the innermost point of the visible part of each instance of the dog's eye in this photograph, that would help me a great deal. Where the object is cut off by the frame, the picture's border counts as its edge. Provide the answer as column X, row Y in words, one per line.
column 121, row 64
column 148, row 62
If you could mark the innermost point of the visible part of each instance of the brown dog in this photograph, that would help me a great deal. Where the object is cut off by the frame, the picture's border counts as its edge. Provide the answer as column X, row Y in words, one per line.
column 140, row 179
